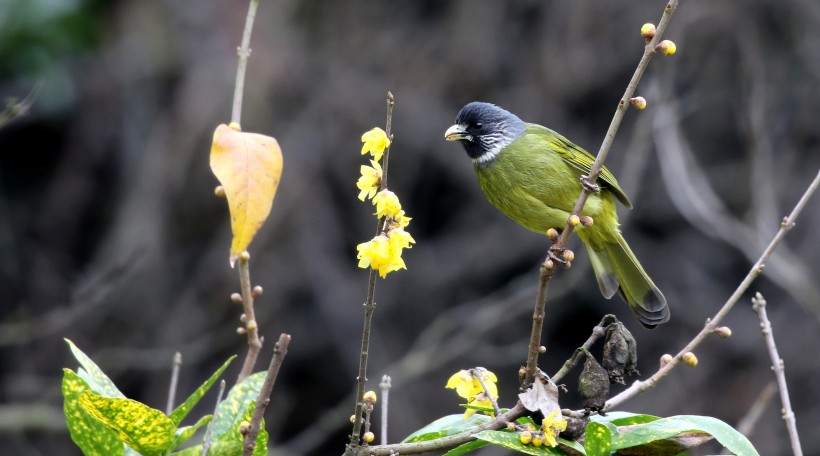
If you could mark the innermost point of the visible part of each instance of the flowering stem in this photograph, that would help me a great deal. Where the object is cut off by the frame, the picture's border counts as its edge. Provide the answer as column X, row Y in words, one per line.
column 759, row 306
column 370, row 302
column 244, row 52
column 786, row 225
column 280, row 350
column 594, row 171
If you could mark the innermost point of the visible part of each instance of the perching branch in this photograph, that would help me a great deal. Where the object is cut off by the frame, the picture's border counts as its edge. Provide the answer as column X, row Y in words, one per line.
column 786, row 225
column 548, row 268
column 370, row 302
column 759, row 306
column 597, row 332
column 244, row 52
column 280, row 350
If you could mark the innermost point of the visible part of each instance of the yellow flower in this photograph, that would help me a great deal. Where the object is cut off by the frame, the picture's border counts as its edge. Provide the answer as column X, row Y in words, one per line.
column 400, row 239
column 553, row 424
column 467, row 386
column 370, row 180
column 401, row 220
column 378, row 254
column 387, row 204
column 375, row 141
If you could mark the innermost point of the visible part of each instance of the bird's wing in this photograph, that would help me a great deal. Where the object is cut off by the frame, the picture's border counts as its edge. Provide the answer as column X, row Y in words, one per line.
column 581, row 159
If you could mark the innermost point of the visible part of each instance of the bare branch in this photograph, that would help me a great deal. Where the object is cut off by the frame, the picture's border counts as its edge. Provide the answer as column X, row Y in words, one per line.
column 280, row 350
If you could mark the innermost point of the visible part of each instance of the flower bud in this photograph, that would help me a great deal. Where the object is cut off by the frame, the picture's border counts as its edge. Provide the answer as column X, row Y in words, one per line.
column 586, row 221
column 236, row 298
column 537, row 440
column 648, row 31
column 525, row 437
column 574, row 220
column 666, row 47
column 257, row 291
column 568, row 255
column 370, row 396
column 245, row 256
column 724, row 332
column 690, row 359
column 368, row 437
column 549, row 264
column 510, row 426
column 552, row 233
column 241, row 331
column 352, row 418
column 219, row 191
column 530, row 426
column 251, row 325
column 666, row 359
column 542, row 349
column 638, row 102
column 244, row 427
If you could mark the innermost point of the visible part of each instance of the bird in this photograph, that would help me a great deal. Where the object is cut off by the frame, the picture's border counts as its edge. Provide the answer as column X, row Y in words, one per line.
column 533, row 175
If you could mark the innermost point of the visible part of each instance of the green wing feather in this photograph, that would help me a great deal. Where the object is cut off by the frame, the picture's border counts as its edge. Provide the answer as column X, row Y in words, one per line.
column 582, row 160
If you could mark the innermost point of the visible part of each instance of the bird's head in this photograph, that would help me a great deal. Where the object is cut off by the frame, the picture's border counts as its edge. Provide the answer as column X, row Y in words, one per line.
column 484, row 129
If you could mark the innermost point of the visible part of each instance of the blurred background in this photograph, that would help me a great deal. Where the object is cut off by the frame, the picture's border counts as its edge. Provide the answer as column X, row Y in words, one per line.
column 110, row 234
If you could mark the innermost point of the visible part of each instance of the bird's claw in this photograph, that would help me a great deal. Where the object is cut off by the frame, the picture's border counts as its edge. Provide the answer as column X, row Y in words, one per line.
column 589, row 186
column 556, row 254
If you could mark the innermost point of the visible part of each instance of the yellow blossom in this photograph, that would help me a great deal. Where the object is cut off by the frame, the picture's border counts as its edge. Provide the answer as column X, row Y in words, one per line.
column 370, row 180
column 401, row 220
column 467, row 386
column 400, row 239
column 378, row 254
column 375, row 141
column 387, row 204
column 552, row 425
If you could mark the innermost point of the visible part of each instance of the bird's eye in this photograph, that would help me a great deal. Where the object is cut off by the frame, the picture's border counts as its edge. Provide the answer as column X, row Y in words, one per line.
column 479, row 125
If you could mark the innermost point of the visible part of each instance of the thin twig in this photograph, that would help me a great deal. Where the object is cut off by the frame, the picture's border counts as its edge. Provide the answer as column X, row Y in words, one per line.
column 747, row 424
column 546, row 273
column 786, row 225
column 244, row 52
column 206, row 444
column 478, row 374
column 597, row 332
column 280, row 350
column 251, row 326
column 172, row 388
column 759, row 306
column 385, row 387
column 451, row 441
column 370, row 302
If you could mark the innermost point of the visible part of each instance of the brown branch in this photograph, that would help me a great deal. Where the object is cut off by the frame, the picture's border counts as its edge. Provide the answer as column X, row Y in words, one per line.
column 786, row 225
column 251, row 326
column 244, row 52
column 597, row 332
column 759, row 306
column 280, row 350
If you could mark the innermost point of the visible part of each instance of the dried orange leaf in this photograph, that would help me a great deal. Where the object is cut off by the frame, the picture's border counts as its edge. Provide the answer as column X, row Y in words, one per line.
column 249, row 166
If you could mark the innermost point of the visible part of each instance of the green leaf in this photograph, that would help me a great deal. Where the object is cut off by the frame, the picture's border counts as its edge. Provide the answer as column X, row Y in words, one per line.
column 234, row 435
column 93, row 438
column 624, row 418
column 447, row 425
column 466, row 448
column 665, row 428
column 182, row 411
column 144, row 429
column 93, row 375
column 597, row 440
column 217, row 449
column 510, row 441
column 184, row 433
column 230, row 411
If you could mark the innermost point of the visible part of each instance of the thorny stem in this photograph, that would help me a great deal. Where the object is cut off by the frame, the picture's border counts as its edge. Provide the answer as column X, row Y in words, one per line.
column 370, row 302
column 244, row 52
column 786, row 225
column 759, row 306
column 206, row 444
column 280, row 350
column 172, row 388
column 595, row 170
column 385, row 387
column 251, row 326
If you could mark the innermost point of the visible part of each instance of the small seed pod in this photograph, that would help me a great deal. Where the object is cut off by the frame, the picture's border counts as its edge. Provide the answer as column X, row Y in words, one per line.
column 219, row 191
column 666, row 359
column 236, row 298
column 620, row 353
column 638, row 102
column 690, row 359
column 648, row 31
column 368, row 437
column 593, row 385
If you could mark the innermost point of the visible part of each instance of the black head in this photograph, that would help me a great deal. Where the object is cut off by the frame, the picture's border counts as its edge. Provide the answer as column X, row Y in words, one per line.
column 484, row 129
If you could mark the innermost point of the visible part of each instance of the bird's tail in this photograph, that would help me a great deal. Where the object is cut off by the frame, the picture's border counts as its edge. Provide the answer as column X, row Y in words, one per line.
column 617, row 270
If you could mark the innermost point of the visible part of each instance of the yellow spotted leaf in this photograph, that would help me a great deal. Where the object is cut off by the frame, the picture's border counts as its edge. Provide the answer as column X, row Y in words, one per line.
column 249, row 166
column 144, row 429
column 93, row 437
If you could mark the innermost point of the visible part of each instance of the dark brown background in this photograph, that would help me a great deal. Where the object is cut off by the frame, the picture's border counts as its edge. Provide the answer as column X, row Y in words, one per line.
column 110, row 234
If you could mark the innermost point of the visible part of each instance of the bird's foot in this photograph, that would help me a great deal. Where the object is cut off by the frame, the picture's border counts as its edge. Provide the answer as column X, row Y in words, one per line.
column 556, row 254
column 589, row 186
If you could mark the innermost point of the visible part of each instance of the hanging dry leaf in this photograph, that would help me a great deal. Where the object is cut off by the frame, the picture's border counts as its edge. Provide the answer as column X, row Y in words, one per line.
column 249, row 166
